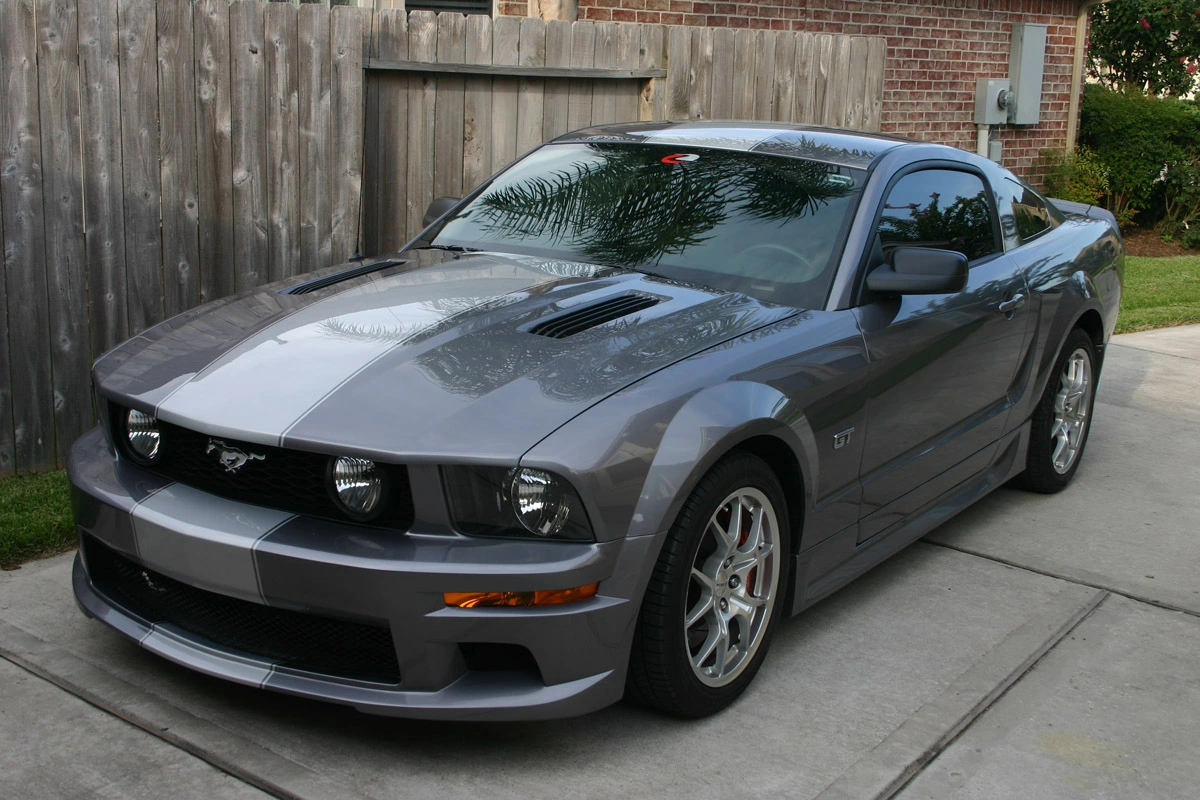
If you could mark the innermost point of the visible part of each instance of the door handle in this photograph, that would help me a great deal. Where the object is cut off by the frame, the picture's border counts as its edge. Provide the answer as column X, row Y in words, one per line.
column 1009, row 306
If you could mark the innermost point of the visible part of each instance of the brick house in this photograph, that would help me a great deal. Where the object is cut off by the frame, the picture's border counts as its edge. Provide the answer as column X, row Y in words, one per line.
column 936, row 51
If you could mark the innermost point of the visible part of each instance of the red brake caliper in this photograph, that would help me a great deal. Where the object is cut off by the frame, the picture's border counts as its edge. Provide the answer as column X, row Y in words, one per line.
column 745, row 534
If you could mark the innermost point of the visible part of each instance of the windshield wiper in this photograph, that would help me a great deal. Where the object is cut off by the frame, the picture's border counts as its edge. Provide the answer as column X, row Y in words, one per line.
column 452, row 248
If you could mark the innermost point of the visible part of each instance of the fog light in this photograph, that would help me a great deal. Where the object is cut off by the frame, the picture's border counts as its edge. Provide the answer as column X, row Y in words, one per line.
column 142, row 435
column 357, row 485
column 549, row 597
column 540, row 501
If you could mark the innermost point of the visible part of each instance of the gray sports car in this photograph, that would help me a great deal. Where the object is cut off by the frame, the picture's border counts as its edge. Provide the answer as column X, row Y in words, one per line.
column 599, row 427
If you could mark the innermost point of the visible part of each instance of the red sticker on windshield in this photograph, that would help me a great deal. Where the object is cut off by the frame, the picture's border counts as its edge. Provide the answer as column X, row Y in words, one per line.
column 680, row 158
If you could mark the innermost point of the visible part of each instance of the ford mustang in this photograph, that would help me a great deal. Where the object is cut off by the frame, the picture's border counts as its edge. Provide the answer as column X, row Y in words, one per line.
column 599, row 427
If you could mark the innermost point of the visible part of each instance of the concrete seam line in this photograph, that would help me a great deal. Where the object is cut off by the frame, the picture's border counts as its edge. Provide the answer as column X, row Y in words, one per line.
column 901, row 756
column 1092, row 584
column 1147, row 350
column 226, row 750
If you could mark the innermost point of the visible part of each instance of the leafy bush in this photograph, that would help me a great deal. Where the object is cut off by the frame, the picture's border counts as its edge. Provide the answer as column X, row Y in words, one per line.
column 1138, row 139
column 1078, row 176
column 1151, row 45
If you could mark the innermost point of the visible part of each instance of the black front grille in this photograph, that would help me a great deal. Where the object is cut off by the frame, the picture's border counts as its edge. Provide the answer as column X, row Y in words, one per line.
column 338, row 648
column 290, row 480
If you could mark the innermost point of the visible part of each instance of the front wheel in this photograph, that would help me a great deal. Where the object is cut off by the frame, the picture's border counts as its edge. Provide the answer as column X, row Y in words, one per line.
column 1062, row 419
column 716, row 593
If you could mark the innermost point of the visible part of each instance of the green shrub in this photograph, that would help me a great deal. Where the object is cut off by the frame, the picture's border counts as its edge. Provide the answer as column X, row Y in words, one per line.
column 1137, row 138
column 1076, row 176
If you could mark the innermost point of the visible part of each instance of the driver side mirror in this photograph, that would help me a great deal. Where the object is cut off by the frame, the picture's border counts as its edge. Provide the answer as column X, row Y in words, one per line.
column 439, row 207
column 920, row 270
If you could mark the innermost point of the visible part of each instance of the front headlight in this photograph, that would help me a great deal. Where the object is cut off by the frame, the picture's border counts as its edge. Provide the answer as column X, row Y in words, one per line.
column 142, row 436
column 501, row 501
column 358, row 486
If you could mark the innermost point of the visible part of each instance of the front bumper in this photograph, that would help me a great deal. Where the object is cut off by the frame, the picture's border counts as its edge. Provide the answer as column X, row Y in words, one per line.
column 339, row 572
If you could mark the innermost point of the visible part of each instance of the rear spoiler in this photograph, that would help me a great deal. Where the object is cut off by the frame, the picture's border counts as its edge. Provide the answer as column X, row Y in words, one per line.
column 1085, row 210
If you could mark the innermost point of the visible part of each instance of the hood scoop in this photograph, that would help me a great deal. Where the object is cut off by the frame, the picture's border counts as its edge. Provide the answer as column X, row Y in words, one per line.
column 583, row 318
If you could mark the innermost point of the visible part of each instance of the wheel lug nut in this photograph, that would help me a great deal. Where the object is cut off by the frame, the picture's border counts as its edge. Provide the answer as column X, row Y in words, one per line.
column 724, row 605
column 733, row 582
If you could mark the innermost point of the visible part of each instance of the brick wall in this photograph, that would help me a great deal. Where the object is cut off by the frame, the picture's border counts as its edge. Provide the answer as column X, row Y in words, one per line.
column 936, row 50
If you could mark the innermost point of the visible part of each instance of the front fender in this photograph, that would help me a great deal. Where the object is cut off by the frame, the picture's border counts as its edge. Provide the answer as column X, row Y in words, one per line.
column 711, row 424
column 635, row 460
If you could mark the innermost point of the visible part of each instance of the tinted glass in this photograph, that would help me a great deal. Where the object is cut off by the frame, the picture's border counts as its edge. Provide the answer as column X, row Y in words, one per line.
column 766, row 226
column 1030, row 213
column 939, row 208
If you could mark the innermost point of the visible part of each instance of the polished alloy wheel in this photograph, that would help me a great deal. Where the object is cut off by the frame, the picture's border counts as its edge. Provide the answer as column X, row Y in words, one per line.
column 732, row 588
column 1071, row 406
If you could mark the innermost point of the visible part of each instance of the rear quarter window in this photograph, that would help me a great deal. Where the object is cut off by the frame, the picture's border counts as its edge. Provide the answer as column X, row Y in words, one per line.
column 1031, row 214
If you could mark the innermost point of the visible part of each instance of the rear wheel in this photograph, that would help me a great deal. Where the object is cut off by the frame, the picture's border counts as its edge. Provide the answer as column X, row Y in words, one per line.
column 716, row 593
column 1062, row 419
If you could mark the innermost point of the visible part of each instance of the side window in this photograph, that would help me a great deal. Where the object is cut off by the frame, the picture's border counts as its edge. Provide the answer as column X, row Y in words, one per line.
column 939, row 208
column 1030, row 213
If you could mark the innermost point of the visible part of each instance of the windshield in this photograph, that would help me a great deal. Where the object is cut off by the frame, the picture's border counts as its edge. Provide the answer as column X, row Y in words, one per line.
column 766, row 226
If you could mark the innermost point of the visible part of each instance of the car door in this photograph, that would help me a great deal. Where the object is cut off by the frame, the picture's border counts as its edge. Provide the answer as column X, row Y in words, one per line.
column 941, row 365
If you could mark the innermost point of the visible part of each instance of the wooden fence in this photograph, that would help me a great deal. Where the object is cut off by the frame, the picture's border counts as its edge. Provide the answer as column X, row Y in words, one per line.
column 160, row 153
column 453, row 99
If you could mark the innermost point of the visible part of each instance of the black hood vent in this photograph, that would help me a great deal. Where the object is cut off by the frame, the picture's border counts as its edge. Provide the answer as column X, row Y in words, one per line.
column 581, row 319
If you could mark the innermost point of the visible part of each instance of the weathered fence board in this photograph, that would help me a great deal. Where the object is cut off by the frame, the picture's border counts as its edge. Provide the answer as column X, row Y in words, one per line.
column 177, row 157
column 21, row 197
column 422, row 46
column 103, row 204
column 159, row 154
column 477, row 108
column 558, row 93
column 386, row 154
column 346, row 137
column 66, row 269
column 530, row 90
column 251, row 247
column 506, row 50
column 138, row 48
column 312, row 128
column 283, row 146
column 448, row 113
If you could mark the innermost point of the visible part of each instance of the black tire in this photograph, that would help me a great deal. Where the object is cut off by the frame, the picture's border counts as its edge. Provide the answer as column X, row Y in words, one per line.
column 1042, row 474
column 661, row 672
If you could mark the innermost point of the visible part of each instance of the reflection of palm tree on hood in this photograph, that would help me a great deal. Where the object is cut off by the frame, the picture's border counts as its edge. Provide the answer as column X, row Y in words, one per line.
column 630, row 209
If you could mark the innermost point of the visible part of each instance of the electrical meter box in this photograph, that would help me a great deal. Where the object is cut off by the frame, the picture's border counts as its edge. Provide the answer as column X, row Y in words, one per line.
column 991, row 101
column 1026, row 69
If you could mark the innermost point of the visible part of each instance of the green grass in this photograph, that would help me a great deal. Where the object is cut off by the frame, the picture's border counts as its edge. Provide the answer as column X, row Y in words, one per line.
column 35, row 517
column 1159, row 293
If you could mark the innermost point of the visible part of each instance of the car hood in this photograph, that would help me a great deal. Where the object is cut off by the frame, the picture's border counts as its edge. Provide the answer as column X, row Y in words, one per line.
column 430, row 358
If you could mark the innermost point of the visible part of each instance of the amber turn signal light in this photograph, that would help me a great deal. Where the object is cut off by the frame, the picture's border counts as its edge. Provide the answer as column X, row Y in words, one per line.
column 549, row 597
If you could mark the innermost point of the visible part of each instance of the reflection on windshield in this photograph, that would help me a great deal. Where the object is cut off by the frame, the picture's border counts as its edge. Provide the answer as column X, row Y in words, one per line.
column 765, row 226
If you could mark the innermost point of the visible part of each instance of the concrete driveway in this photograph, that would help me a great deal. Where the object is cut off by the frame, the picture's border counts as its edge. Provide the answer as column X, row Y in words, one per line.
column 1032, row 647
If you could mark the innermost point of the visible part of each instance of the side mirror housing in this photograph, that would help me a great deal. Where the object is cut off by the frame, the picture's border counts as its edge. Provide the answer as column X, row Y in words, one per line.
column 439, row 207
column 920, row 270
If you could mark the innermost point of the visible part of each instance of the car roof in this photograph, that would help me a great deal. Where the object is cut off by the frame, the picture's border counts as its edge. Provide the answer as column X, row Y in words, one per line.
column 842, row 147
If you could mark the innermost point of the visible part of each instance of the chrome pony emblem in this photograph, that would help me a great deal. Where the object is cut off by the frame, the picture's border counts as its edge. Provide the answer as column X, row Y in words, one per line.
column 230, row 457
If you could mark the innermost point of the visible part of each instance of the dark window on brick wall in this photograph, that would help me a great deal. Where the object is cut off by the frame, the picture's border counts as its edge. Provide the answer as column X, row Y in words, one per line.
column 461, row 6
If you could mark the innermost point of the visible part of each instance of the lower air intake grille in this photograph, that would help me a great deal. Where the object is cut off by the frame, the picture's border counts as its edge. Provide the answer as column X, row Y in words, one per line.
column 301, row 641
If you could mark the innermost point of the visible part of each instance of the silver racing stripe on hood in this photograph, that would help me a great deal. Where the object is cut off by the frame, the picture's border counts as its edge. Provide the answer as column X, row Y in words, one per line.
column 259, row 388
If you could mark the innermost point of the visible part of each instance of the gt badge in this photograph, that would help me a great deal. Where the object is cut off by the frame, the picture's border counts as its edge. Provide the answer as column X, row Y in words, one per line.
column 680, row 158
column 230, row 457
column 840, row 439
